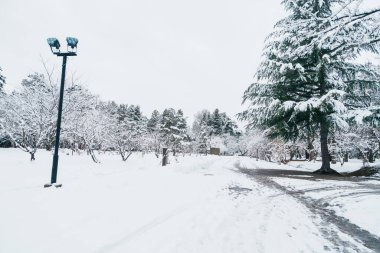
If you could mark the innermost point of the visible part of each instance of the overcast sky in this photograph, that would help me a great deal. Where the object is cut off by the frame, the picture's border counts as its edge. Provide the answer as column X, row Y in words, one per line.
column 157, row 54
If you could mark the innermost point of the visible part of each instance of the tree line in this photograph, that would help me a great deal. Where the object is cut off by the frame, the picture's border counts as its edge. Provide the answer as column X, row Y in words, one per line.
column 28, row 121
column 313, row 96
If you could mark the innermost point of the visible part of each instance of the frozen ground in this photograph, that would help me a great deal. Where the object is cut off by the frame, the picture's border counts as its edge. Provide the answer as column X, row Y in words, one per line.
column 196, row 204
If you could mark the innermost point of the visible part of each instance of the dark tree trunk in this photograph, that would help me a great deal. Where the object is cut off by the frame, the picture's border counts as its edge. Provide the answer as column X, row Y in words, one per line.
column 257, row 154
column 93, row 156
column 370, row 156
column 324, row 131
column 323, row 123
column 122, row 154
column 125, row 156
column 129, row 154
column 32, row 157
column 310, row 150
column 345, row 157
column 324, row 146
column 164, row 156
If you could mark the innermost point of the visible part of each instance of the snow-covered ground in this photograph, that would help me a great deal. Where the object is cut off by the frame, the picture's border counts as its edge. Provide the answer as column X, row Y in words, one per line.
column 195, row 204
column 352, row 165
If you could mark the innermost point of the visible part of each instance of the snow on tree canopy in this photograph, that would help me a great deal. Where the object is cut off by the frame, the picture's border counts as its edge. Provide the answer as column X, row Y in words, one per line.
column 310, row 75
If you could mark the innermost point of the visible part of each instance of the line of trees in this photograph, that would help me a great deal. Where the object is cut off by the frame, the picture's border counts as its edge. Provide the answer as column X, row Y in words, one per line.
column 28, row 121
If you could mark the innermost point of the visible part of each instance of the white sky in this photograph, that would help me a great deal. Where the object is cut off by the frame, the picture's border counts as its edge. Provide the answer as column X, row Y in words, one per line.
column 198, row 54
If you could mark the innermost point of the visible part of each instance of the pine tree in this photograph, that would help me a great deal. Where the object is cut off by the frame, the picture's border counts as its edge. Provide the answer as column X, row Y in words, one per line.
column 173, row 129
column 154, row 121
column 153, row 128
column 228, row 126
column 128, row 131
column 122, row 112
column 167, row 126
column 202, row 131
column 182, row 134
column 309, row 70
column 203, row 139
column 216, row 123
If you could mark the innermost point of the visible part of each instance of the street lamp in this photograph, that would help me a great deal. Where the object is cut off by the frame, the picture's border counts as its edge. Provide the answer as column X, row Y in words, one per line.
column 71, row 51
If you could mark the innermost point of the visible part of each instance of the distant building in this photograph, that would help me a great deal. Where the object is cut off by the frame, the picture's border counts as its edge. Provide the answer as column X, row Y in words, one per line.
column 215, row 151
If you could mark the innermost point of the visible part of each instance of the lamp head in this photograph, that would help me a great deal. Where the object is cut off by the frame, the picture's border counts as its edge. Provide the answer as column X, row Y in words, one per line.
column 71, row 46
column 72, row 42
column 53, row 42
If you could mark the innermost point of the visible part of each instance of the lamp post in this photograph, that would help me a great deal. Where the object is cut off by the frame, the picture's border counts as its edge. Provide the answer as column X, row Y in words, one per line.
column 71, row 51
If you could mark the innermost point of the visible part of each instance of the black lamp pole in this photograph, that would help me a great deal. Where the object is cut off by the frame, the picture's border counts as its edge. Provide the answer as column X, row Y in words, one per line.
column 54, row 169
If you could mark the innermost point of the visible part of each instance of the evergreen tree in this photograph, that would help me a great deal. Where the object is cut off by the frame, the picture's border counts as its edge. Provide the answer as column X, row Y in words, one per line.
column 153, row 128
column 183, row 137
column 173, row 129
column 216, row 123
column 203, row 139
column 167, row 127
column 309, row 70
column 228, row 126
column 154, row 122
column 122, row 112
column 128, row 132
column 202, row 131
column 181, row 123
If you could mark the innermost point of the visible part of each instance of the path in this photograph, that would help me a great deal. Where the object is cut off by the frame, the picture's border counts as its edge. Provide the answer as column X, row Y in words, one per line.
column 331, row 225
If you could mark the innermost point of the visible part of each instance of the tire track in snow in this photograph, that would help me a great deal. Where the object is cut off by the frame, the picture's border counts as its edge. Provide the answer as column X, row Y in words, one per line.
column 142, row 230
column 161, row 220
column 321, row 213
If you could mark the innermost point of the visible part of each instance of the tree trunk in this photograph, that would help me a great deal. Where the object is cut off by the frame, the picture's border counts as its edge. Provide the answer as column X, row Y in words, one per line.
column 32, row 157
column 93, row 156
column 129, row 154
column 345, row 157
column 324, row 131
column 307, row 155
column 122, row 154
column 370, row 156
column 164, row 156
column 257, row 154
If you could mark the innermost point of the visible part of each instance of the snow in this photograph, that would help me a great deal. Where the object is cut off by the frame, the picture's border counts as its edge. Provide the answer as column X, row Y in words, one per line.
column 302, row 165
column 358, row 201
column 354, row 212
column 360, row 206
column 195, row 204
column 352, row 165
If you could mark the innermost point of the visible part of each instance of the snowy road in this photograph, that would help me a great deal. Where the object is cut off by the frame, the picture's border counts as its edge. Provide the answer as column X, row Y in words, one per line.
column 345, row 235
column 196, row 204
